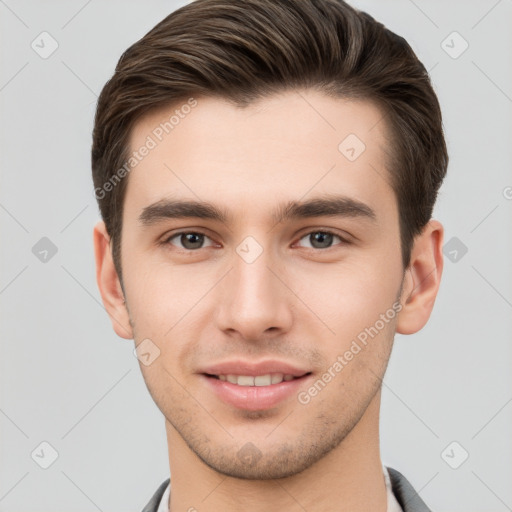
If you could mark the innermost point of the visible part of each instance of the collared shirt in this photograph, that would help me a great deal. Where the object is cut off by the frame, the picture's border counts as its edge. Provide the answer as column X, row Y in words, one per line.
column 393, row 505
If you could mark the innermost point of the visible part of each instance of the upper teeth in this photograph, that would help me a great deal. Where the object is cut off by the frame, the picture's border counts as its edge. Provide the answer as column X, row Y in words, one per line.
column 260, row 380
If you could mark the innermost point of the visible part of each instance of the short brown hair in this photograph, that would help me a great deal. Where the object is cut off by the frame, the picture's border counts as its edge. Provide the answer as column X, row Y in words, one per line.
column 245, row 50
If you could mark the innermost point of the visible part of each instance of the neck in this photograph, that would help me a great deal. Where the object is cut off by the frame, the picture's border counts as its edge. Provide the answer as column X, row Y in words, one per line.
column 349, row 478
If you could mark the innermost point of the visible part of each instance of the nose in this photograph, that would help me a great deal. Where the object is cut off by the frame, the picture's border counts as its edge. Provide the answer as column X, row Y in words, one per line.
column 255, row 302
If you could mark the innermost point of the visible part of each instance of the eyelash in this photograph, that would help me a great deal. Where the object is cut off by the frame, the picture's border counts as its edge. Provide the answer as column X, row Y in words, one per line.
column 344, row 241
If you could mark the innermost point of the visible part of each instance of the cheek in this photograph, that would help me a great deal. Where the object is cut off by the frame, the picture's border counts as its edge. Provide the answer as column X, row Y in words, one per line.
column 157, row 298
column 349, row 296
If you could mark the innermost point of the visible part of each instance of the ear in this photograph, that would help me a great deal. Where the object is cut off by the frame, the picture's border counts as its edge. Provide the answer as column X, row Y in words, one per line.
column 422, row 279
column 108, row 283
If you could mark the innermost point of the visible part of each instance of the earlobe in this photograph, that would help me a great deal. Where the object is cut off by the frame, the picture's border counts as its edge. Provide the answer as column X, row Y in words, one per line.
column 422, row 279
column 108, row 283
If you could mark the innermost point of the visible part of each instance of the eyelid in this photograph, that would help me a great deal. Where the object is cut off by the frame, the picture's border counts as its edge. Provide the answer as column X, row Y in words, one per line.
column 167, row 239
column 345, row 240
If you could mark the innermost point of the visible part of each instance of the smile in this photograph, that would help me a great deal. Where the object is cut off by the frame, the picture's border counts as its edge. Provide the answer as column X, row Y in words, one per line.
column 259, row 380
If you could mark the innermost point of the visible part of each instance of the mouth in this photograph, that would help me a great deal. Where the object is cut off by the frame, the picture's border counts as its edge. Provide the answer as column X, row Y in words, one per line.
column 269, row 379
column 256, row 392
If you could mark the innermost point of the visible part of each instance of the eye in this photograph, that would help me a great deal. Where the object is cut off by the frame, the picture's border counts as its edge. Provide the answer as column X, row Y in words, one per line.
column 189, row 240
column 321, row 239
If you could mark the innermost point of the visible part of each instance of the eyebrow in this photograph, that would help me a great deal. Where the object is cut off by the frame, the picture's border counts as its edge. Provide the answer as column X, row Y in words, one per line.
column 329, row 206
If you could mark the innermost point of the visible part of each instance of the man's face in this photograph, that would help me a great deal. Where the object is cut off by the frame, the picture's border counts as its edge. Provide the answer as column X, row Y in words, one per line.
column 256, row 294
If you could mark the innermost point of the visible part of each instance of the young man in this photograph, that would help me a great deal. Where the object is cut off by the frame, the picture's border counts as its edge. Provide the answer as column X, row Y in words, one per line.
column 266, row 172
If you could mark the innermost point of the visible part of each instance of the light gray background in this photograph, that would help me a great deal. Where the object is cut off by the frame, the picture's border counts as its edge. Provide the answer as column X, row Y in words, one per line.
column 67, row 379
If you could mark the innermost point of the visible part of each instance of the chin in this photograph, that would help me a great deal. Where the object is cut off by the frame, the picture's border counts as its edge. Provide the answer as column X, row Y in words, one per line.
column 249, row 463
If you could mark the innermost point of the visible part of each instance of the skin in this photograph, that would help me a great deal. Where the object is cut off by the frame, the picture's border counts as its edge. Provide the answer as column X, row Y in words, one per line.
column 296, row 302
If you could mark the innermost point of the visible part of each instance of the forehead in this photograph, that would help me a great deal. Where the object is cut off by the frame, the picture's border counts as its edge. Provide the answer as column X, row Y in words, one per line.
column 284, row 146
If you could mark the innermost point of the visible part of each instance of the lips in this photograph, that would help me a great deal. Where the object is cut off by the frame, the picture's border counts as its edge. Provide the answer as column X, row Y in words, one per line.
column 254, row 386
column 256, row 369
